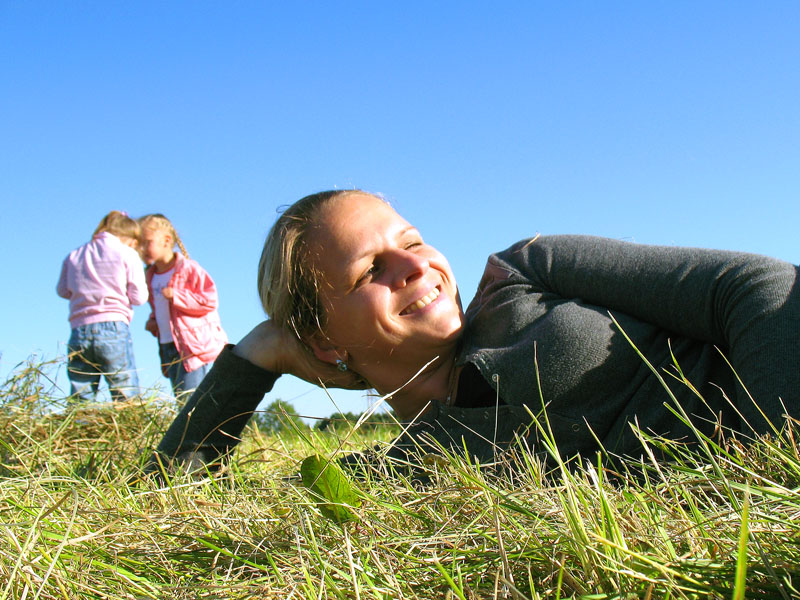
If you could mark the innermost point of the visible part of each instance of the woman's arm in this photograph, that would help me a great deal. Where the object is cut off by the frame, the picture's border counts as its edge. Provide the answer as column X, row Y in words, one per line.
column 277, row 349
column 747, row 305
column 698, row 293
column 213, row 419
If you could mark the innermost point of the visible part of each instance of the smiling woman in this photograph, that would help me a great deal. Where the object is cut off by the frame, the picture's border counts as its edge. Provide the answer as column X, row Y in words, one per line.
column 357, row 299
column 391, row 301
column 357, row 286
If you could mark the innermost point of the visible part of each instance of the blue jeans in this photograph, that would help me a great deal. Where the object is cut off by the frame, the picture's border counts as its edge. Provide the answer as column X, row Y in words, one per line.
column 172, row 366
column 102, row 349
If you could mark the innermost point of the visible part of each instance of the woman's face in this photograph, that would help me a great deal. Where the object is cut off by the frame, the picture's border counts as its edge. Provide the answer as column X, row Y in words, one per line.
column 391, row 300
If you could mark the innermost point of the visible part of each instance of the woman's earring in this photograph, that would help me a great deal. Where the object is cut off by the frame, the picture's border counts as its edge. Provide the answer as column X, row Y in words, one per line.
column 341, row 365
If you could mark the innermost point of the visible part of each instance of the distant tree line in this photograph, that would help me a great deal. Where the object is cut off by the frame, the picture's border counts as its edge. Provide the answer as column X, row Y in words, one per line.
column 280, row 415
column 348, row 419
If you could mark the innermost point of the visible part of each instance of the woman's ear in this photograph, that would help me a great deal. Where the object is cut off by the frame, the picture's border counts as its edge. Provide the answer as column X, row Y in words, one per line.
column 324, row 349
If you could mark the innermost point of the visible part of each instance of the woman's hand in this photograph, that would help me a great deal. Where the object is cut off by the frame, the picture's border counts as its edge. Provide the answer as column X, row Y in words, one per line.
column 278, row 350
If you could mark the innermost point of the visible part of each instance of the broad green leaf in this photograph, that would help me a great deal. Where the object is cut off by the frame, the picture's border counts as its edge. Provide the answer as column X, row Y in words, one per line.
column 335, row 496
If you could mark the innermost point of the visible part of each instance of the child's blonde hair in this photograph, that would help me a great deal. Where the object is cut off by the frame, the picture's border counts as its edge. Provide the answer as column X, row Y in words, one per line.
column 118, row 223
column 158, row 222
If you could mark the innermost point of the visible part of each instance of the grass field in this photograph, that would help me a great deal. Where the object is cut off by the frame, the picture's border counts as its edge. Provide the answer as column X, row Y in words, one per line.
column 715, row 522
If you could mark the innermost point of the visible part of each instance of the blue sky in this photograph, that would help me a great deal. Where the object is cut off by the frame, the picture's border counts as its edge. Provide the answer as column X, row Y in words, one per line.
column 484, row 123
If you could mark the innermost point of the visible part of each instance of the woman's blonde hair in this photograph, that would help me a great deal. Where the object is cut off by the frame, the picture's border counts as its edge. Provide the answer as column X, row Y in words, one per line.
column 158, row 222
column 288, row 280
column 119, row 224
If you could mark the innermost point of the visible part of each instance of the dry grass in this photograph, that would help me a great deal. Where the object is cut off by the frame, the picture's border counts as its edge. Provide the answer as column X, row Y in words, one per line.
column 72, row 525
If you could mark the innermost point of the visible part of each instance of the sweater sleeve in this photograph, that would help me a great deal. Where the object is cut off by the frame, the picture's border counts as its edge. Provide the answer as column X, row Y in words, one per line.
column 137, row 286
column 62, row 287
column 198, row 296
column 218, row 411
column 747, row 305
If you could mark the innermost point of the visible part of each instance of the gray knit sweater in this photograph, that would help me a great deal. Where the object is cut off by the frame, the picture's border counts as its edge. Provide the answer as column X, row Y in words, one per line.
column 546, row 329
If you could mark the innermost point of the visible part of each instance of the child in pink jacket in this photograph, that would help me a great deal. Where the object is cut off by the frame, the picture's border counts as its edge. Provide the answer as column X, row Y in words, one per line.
column 102, row 280
column 184, row 302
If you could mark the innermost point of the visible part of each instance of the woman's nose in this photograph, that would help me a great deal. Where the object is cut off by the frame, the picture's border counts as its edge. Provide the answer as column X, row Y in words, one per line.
column 407, row 266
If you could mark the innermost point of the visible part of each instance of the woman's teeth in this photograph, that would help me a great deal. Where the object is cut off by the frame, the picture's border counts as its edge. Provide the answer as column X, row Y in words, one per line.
column 422, row 302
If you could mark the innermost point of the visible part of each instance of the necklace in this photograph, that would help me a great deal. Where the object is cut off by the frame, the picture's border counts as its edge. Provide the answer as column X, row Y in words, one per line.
column 452, row 385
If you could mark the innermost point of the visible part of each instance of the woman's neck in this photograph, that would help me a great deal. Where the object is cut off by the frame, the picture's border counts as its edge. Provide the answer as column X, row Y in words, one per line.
column 165, row 263
column 437, row 381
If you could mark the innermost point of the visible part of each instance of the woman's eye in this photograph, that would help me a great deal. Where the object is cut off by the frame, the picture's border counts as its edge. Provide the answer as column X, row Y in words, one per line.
column 368, row 273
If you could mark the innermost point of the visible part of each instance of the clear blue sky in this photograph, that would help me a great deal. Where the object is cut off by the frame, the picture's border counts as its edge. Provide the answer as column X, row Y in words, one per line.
column 670, row 123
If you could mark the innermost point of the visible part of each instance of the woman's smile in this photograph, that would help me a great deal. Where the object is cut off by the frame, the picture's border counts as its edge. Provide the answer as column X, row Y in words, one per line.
column 426, row 300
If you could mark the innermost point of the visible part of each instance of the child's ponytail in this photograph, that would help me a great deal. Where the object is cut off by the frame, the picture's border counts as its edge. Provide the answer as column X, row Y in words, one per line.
column 180, row 243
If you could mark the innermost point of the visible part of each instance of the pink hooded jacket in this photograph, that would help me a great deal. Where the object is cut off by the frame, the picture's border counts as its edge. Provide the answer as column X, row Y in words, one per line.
column 193, row 317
